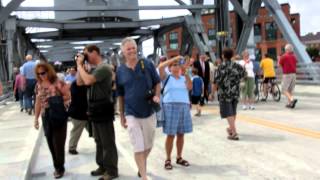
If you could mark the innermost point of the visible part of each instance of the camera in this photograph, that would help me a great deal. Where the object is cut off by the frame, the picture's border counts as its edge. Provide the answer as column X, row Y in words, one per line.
column 84, row 55
column 149, row 97
column 182, row 61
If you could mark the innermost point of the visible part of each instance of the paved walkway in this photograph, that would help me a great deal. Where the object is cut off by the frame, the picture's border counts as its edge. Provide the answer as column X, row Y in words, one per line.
column 276, row 143
column 17, row 140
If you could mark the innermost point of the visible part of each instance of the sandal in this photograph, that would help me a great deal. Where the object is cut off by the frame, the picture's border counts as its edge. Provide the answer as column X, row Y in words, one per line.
column 233, row 137
column 168, row 165
column 182, row 162
column 229, row 131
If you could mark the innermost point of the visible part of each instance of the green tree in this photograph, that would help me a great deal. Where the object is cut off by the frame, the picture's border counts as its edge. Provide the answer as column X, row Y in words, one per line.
column 313, row 52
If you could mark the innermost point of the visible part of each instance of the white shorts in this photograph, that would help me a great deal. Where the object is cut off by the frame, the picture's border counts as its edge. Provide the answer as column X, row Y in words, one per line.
column 141, row 132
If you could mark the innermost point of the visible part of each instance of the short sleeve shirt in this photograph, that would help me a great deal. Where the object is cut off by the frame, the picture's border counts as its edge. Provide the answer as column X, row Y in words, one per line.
column 133, row 86
column 268, row 68
column 28, row 70
column 101, row 89
column 197, row 85
column 288, row 63
column 228, row 77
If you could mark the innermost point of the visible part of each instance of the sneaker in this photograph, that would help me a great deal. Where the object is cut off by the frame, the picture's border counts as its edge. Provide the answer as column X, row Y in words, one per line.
column 107, row 176
column 21, row 110
column 58, row 174
column 98, row 172
column 73, row 152
column 252, row 108
column 244, row 107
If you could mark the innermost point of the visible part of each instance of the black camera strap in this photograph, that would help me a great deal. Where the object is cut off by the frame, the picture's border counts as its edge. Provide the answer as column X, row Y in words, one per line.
column 149, row 82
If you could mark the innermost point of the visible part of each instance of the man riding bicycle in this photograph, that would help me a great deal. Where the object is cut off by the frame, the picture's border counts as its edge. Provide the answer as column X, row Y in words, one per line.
column 269, row 74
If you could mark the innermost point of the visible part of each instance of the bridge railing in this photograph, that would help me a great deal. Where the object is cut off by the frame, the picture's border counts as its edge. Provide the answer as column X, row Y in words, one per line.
column 307, row 73
column 7, row 90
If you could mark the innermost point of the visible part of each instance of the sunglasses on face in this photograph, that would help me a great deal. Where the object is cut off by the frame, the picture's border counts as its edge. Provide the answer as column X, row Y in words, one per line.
column 42, row 73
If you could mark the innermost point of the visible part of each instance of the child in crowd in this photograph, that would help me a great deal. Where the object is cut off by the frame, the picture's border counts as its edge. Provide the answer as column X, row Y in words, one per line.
column 197, row 90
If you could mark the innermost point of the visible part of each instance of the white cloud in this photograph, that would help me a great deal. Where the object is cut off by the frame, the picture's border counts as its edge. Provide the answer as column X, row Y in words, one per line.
column 309, row 14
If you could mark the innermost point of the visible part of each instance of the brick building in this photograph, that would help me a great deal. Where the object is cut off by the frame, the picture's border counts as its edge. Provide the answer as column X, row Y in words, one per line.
column 267, row 35
column 311, row 40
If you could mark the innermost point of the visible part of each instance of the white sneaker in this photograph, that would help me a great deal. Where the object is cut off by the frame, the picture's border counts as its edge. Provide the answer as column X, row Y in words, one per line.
column 244, row 107
column 252, row 107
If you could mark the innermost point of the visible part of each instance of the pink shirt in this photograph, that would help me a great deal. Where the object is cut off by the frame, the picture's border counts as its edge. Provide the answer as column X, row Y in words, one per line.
column 20, row 82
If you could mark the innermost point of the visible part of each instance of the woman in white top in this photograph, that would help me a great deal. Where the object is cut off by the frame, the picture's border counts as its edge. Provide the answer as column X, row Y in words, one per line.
column 247, row 90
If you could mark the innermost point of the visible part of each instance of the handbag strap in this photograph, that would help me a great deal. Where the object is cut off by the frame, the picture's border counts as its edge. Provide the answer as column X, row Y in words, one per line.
column 165, row 83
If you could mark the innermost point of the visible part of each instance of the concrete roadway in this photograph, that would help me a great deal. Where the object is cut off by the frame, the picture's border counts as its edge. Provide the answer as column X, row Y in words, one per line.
column 276, row 143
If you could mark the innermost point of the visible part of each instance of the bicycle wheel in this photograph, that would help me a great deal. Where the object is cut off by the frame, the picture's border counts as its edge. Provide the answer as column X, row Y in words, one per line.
column 262, row 96
column 276, row 93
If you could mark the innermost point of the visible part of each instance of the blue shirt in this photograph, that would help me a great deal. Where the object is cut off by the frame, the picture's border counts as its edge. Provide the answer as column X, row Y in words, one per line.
column 133, row 86
column 176, row 91
column 28, row 70
column 197, row 85
column 69, row 78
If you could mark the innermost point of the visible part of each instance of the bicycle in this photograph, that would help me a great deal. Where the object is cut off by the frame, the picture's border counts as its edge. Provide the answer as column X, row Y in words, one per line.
column 272, row 88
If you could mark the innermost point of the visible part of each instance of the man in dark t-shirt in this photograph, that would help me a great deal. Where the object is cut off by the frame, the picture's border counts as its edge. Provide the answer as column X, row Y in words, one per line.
column 100, row 110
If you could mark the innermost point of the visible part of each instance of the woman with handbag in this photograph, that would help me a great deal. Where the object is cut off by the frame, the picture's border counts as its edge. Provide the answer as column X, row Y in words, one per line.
column 176, row 106
column 52, row 97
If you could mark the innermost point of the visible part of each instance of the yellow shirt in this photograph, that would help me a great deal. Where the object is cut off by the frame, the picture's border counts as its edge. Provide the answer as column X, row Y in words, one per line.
column 266, row 65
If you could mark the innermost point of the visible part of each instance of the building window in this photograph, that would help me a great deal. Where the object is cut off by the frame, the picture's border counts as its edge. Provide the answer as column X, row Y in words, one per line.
column 271, row 31
column 283, row 50
column 293, row 21
column 257, row 33
column 273, row 53
column 211, row 21
column 212, row 36
column 164, row 37
column 258, row 54
column 173, row 40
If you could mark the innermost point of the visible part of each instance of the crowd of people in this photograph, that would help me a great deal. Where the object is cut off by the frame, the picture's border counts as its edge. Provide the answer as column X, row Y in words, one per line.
column 146, row 95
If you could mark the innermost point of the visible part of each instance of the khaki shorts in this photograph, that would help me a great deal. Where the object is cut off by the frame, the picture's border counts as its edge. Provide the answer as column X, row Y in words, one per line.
column 288, row 82
column 141, row 132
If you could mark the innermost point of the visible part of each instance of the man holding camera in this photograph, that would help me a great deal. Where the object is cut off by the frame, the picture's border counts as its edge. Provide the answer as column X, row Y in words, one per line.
column 138, row 86
column 100, row 110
